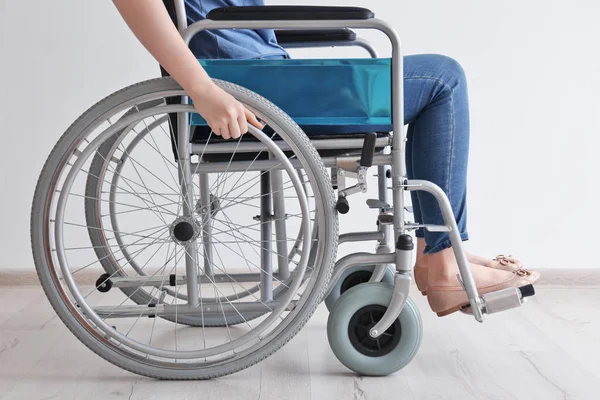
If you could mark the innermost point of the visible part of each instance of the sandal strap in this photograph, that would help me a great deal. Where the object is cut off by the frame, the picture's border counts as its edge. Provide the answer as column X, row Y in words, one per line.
column 523, row 272
column 505, row 260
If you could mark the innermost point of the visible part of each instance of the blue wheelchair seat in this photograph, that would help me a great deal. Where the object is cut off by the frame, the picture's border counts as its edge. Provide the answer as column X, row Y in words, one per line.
column 326, row 97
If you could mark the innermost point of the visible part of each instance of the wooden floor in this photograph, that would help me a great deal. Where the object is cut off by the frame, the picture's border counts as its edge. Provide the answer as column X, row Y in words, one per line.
column 547, row 349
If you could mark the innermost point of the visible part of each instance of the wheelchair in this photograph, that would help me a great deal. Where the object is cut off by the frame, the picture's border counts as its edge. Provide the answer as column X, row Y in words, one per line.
column 175, row 254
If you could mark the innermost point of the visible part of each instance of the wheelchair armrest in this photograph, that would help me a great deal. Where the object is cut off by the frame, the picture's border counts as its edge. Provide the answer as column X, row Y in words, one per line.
column 291, row 36
column 288, row 13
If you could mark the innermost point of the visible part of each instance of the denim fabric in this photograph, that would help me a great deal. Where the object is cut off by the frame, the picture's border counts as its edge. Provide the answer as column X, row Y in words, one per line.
column 437, row 114
column 234, row 44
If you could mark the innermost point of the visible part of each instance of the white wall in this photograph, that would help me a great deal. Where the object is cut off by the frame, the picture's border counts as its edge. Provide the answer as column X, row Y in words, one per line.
column 534, row 75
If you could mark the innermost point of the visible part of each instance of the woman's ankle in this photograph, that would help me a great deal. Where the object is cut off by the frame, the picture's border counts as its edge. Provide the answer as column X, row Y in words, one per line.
column 421, row 260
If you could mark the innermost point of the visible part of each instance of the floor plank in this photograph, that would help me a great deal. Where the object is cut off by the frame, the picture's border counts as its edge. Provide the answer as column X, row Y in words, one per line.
column 548, row 349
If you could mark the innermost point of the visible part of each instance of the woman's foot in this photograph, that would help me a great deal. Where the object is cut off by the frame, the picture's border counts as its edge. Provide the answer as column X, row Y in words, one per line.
column 501, row 262
column 444, row 291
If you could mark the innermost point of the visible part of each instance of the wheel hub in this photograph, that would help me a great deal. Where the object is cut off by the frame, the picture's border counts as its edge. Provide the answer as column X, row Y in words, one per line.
column 185, row 229
column 360, row 325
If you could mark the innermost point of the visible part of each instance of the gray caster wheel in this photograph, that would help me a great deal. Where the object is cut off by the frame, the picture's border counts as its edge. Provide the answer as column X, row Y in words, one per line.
column 348, row 331
column 352, row 277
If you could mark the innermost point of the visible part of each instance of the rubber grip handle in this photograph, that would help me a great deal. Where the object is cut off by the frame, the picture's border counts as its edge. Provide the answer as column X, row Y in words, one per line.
column 368, row 151
column 342, row 205
column 527, row 290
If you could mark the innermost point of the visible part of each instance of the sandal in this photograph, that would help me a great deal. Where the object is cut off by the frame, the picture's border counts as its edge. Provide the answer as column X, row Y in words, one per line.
column 445, row 300
column 506, row 263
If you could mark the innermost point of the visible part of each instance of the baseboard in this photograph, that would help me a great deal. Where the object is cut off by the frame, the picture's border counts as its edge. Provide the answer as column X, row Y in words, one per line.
column 559, row 277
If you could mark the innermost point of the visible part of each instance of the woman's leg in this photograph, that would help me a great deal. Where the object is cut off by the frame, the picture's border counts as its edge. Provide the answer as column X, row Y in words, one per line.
column 437, row 102
column 437, row 112
column 420, row 269
column 436, row 106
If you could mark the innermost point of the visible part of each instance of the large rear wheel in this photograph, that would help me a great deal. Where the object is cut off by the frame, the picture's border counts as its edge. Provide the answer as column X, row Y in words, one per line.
column 241, row 280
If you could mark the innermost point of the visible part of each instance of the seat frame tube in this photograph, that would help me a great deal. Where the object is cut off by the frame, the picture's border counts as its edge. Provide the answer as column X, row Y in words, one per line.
column 279, row 219
column 266, row 271
column 207, row 212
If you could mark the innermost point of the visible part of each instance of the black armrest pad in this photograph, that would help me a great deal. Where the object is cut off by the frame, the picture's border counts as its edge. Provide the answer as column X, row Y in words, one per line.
column 288, row 13
column 288, row 36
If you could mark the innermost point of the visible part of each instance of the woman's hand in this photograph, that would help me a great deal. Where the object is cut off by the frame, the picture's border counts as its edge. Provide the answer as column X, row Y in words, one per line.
column 151, row 24
column 226, row 116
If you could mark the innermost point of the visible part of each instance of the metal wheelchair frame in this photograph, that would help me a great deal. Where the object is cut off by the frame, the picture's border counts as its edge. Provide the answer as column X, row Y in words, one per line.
column 385, row 251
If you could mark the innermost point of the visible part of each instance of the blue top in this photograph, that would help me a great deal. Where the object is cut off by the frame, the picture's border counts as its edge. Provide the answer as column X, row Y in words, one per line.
column 231, row 43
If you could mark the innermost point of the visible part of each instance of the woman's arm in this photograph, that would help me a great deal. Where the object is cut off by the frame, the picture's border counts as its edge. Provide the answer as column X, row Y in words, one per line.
column 151, row 24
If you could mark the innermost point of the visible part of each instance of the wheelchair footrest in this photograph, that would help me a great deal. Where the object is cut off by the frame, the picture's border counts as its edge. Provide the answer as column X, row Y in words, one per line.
column 437, row 228
column 506, row 299
column 429, row 227
column 376, row 203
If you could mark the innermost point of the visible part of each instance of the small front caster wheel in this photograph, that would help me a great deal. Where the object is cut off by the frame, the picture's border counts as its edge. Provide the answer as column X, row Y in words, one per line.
column 353, row 316
column 355, row 276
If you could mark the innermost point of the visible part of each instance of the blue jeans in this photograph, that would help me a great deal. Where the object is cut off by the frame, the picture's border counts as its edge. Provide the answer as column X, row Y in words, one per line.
column 437, row 113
